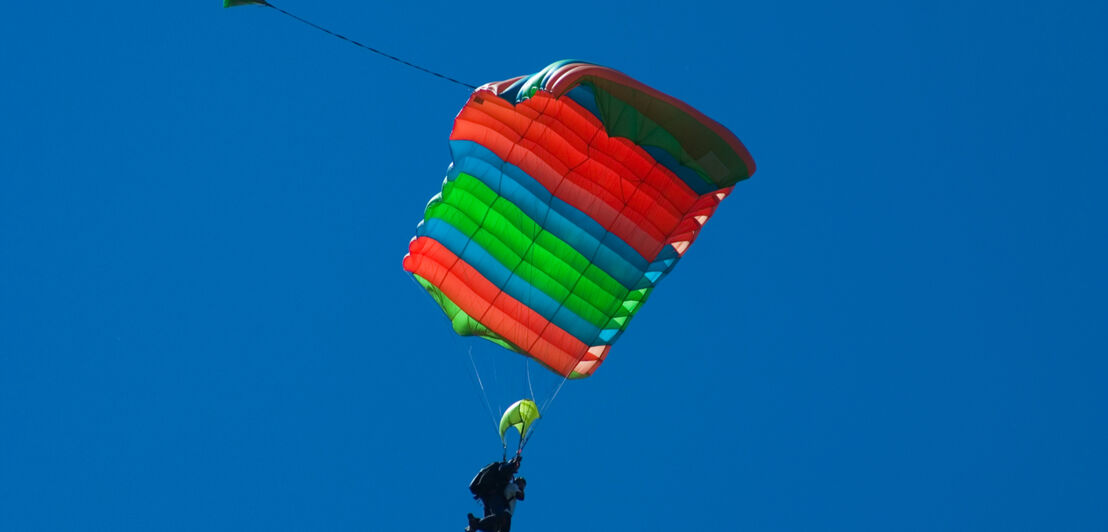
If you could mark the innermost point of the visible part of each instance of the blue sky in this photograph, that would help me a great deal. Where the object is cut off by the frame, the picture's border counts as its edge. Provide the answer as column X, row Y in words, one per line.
column 897, row 324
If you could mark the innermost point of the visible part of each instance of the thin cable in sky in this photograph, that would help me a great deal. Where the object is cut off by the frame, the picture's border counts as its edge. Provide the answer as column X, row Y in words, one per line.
column 370, row 48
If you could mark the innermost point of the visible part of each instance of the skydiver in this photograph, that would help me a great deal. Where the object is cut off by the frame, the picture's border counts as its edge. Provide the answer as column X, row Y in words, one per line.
column 502, row 508
column 489, row 486
column 491, row 480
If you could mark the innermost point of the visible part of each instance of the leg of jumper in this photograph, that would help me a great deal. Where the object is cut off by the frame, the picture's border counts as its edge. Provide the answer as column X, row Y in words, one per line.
column 492, row 523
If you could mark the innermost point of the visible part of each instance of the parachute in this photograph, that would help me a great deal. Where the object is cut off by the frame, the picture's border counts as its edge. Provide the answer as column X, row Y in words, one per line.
column 572, row 193
column 520, row 415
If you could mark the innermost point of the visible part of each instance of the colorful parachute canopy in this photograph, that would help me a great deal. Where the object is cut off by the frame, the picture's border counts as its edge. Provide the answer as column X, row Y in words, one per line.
column 572, row 193
column 520, row 415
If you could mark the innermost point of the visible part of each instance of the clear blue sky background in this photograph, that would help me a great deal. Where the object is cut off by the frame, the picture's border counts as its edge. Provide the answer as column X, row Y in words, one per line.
column 898, row 324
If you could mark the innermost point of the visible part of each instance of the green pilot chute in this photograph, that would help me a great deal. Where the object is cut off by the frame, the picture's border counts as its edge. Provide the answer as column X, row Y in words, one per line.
column 520, row 415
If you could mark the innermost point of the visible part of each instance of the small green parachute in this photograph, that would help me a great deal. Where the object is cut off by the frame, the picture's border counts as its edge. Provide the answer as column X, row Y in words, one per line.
column 520, row 415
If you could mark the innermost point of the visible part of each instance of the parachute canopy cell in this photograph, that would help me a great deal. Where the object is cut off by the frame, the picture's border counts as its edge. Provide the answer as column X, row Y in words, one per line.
column 520, row 415
column 573, row 192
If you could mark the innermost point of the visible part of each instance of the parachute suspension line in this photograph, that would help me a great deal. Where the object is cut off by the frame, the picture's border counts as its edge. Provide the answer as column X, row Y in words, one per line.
column 523, row 442
column 529, row 386
column 546, row 404
column 476, row 379
column 369, row 48
column 484, row 394
column 542, row 410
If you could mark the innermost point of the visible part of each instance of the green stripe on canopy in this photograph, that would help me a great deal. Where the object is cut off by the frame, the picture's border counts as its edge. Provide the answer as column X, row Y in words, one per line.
column 535, row 255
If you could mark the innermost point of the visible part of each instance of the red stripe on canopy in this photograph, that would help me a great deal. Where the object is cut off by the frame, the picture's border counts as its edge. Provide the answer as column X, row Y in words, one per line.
column 565, row 148
column 507, row 317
